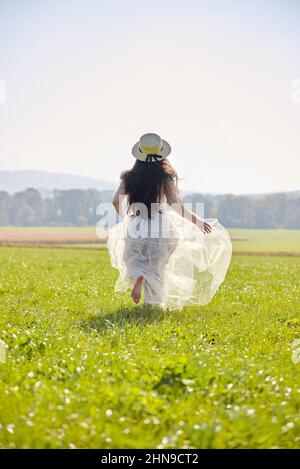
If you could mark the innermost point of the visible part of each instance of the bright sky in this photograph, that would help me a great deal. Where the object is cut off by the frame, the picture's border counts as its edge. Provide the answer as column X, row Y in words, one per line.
column 217, row 79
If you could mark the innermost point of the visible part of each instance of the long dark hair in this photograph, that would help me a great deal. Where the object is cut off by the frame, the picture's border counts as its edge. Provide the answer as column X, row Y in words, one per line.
column 144, row 181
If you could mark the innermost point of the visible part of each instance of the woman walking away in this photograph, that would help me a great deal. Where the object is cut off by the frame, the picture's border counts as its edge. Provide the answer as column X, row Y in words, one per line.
column 159, row 246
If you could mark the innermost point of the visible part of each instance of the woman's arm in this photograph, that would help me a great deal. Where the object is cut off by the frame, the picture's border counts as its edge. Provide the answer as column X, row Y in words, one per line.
column 118, row 197
column 173, row 200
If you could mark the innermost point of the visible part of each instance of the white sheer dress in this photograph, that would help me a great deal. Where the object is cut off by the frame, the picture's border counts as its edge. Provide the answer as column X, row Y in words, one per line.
column 180, row 264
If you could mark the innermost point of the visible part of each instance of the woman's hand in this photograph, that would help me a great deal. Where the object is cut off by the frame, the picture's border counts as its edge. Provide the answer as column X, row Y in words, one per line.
column 205, row 227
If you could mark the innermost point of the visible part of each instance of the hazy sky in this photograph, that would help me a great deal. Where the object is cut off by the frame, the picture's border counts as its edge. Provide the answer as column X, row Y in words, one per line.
column 85, row 78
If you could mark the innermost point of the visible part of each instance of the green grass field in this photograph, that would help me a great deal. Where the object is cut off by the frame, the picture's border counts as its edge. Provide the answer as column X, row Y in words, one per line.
column 86, row 369
column 269, row 241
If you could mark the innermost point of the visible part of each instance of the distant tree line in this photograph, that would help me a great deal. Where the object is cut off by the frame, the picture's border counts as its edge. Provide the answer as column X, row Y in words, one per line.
column 77, row 207
column 74, row 207
column 268, row 211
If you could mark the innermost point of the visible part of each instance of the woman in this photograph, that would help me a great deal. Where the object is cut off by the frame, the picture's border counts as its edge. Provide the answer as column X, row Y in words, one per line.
column 160, row 246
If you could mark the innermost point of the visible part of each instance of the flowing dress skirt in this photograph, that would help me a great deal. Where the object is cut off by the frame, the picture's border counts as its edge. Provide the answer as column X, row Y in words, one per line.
column 180, row 264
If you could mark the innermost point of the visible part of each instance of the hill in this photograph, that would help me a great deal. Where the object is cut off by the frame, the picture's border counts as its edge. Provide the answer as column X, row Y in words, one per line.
column 15, row 181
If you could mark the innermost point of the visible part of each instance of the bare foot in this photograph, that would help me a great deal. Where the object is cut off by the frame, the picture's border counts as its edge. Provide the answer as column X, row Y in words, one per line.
column 137, row 290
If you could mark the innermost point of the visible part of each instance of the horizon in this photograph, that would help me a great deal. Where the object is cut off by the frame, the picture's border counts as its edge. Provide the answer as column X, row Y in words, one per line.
column 220, row 82
column 112, row 182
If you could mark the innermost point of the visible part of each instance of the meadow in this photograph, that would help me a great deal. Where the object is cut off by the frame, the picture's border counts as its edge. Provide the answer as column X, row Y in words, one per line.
column 244, row 240
column 85, row 368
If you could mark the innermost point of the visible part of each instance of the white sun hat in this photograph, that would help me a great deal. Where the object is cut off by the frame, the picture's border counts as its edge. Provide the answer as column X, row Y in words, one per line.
column 150, row 148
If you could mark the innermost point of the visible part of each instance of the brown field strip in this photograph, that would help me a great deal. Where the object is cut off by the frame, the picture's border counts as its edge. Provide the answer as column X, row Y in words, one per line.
column 267, row 253
column 28, row 236
column 41, row 236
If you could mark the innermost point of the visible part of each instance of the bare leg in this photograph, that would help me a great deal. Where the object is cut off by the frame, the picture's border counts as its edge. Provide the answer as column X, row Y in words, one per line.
column 137, row 289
